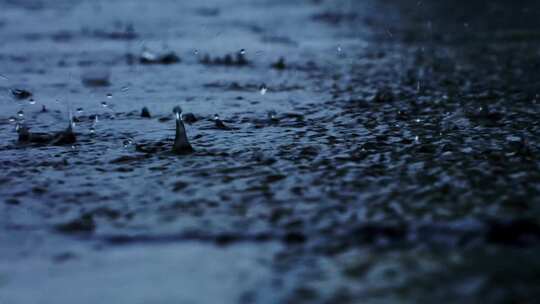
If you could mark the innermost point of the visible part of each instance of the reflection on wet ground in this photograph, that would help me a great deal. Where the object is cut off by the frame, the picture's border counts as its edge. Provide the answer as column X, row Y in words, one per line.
column 343, row 150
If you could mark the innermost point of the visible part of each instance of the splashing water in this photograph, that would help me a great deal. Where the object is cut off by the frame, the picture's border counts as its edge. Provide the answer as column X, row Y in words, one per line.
column 127, row 143
column 263, row 89
column 177, row 111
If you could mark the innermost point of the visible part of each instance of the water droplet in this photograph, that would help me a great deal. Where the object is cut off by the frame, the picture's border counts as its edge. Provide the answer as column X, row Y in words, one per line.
column 79, row 110
column 104, row 104
column 242, row 52
column 127, row 143
column 4, row 77
column 196, row 52
column 20, row 113
column 109, row 95
column 92, row 130
column 216, row 117
column 31, row 101
column 417, row 120
column 339, row 48
column 263, row 89
column 177, row 111
column 12, row 119
column 416, row 139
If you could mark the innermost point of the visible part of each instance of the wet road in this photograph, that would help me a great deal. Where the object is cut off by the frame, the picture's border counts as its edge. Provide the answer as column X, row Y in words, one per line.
column 391, row 156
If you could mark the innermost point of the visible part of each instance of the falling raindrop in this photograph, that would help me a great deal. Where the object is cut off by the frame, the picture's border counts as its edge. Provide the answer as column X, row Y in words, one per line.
column 263, row 89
